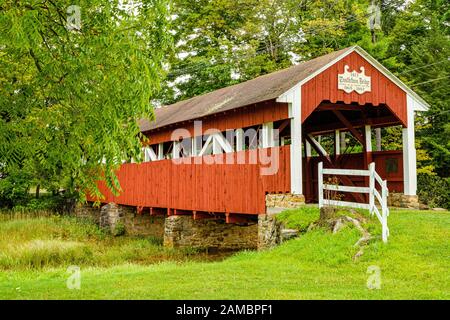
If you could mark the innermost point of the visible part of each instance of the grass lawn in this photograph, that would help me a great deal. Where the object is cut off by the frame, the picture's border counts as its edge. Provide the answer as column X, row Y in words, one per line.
column 35, row 254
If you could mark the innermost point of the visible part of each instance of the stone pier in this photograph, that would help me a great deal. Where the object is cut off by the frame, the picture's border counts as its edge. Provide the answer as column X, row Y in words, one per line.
column 401, row 200
column 284, row 200
column 119, row 219
column 180, row 231
column 184, row 231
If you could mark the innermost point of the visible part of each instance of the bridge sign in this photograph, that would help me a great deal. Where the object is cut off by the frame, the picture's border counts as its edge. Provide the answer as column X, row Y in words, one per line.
column 354, row 81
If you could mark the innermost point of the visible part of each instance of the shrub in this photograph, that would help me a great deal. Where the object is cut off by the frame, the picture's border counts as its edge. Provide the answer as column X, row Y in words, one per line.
column 13, row 189
column 434, row 190
column 46, row 202
column 119, row 229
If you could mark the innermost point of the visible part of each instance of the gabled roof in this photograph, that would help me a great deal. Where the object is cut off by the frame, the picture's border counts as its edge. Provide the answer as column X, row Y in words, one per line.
column 263, row 88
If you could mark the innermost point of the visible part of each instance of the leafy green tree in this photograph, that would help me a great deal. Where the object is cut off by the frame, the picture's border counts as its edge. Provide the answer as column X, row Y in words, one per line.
column 220, row 42
column 420, row 53
column 74, row 80
column 206, row 33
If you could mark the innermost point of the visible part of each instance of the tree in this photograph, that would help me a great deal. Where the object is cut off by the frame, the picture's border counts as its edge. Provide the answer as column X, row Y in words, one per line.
column 420, row 53
column 206, row 35
column 73, row 83
column 221, row 42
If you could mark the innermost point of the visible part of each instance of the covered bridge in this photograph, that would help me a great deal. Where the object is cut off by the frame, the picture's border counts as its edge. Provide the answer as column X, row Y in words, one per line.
column 224, row 152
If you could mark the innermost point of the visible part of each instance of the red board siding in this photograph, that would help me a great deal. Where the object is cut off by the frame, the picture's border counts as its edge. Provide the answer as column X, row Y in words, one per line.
column 232, row 188
column 325, row 87
column 356, row 161
column 268, row 111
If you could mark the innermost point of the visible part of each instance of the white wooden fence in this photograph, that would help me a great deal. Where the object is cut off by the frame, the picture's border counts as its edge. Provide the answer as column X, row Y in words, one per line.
column 371, row 190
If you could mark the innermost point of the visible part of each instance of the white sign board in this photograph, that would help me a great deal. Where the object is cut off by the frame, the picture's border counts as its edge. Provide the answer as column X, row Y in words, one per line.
column 354, row 81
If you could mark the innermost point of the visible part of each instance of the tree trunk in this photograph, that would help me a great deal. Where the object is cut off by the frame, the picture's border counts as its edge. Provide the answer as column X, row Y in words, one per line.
column 327, row 214
column 38, row 187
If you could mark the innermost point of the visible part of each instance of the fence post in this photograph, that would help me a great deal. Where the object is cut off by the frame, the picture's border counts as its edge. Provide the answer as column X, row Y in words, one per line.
column 371, row 187
column 384, row 232
column 320, row 183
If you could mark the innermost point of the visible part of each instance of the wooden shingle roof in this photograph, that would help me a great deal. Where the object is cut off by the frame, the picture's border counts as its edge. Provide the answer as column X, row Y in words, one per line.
column 263, row 88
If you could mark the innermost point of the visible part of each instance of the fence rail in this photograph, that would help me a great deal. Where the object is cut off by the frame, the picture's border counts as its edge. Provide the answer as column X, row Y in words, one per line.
column 374, row 194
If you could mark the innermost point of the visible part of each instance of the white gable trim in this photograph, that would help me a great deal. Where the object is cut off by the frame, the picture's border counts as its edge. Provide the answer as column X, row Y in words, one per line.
column 325, row 67
column 419, row 105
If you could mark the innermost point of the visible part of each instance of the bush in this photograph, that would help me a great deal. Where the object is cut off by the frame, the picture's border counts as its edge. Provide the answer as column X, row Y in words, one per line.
column 119, row 229
column 46, row 202
column 434, row 190
column 13, row 189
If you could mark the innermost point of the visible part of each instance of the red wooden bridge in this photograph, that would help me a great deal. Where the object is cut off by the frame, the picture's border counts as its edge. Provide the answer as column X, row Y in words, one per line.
column 346, row 91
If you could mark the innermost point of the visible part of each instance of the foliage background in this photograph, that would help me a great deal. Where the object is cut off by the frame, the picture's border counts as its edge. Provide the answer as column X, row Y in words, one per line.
column 70, row 96
column 70, row 100
column 219, row 43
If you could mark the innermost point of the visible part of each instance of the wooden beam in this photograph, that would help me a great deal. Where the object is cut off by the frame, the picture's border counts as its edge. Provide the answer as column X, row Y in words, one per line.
column 203, row 215
column 337, row 143
column 331, row 127
column 320, row 151
column 368, row 138
column 307, row 148
column 220, row 143
column 157, row 211
column 348, row 124
column 240, row 139
column 239, row 218
column 308, row 186
column 178, row 212
column 409, row 151
column 140, row 209
column 283, row 125
column 206, row 146
column 339, row 106
column 367, row 150
column 160, row 151
column 267, row 135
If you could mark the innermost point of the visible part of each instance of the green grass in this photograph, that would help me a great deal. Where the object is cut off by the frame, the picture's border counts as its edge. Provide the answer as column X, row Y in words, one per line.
column 294, row 220
column 302, row 219
column 318, row 265
column 43, row 241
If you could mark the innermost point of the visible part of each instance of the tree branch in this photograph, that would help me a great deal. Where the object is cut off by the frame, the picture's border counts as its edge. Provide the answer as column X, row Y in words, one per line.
column 35, row 59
